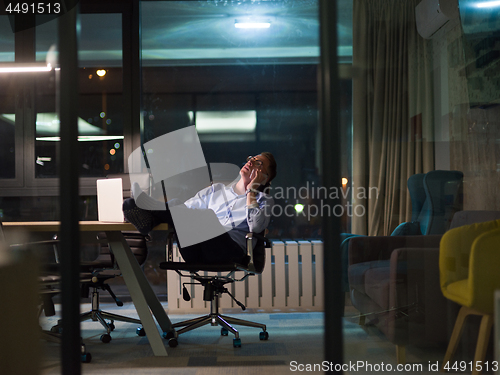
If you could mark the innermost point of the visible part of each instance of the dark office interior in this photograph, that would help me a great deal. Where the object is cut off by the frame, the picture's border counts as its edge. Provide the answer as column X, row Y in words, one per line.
column 382, row 117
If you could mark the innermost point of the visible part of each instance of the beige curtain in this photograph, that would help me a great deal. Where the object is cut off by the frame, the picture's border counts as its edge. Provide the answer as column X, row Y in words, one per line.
column 392, row 112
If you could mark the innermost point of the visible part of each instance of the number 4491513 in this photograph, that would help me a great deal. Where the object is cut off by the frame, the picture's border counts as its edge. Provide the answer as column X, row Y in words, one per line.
column 471, row 366
column 34, row 8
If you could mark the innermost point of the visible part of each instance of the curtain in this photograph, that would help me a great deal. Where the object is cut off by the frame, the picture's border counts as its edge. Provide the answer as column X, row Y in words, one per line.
column 392, row 112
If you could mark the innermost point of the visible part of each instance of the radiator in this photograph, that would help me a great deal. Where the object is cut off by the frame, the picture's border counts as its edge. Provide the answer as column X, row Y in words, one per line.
column 292, row 280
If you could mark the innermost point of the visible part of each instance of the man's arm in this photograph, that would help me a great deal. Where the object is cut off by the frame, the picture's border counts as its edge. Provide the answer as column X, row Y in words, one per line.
column 259, row 214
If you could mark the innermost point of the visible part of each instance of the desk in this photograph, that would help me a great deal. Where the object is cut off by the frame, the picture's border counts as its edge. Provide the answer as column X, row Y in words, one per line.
column 143, row 297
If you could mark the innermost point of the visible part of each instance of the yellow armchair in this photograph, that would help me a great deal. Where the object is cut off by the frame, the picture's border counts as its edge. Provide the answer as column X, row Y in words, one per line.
column 469, row 264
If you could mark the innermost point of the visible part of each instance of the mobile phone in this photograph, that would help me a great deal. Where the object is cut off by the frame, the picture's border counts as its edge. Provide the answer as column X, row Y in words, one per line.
column 265, row 180
column 252, row 175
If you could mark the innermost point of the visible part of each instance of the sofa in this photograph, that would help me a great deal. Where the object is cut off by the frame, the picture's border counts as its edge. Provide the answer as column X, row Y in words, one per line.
column 394, row 284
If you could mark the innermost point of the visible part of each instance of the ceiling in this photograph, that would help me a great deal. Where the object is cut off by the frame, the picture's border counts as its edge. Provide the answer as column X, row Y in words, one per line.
column 203, row 32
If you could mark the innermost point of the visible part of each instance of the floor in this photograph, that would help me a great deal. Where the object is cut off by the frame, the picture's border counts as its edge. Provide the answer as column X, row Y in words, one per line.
column 295, row 345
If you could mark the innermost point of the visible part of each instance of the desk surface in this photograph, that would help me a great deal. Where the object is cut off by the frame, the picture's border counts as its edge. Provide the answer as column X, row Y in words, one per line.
column 85, row 226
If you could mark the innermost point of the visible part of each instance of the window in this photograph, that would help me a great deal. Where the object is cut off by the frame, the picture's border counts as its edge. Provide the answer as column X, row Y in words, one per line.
column 269, row 73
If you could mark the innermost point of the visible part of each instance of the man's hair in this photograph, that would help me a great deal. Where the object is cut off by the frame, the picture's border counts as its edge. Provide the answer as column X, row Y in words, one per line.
column 272, row 165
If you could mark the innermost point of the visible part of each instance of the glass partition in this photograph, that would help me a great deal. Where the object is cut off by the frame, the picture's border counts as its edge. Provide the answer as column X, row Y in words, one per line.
column 7, row 104
column 8, row 126
column 260, row 81
column 100, row 122
column 425, row 143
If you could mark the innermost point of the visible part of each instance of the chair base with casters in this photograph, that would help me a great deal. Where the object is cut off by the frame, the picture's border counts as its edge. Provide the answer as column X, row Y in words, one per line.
column 94, row 276
column 215, row 287
column 96, row 314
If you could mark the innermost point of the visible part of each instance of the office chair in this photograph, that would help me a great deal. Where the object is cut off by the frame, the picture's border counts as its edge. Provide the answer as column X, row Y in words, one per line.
column 215, row 286
column 94, row 276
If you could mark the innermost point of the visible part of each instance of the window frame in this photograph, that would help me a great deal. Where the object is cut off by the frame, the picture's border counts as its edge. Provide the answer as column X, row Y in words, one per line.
column 25, row 183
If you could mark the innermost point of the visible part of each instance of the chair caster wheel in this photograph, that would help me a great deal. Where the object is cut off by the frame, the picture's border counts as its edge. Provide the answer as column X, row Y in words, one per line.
column 224, row 332
column 237, row 342
column 263, row 335
column 168, row 335
column 106, row 338
column 111, row 326
column 172, row 342
column 140, row 331
column 86, row 358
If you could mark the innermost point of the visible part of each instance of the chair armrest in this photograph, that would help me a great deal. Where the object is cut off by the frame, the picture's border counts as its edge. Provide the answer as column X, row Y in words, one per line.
column 22, row 246
column 372, row 248
column 170, row 246
column 455, row 251
column 256, row 260
column 250, row 236
column 416, row 265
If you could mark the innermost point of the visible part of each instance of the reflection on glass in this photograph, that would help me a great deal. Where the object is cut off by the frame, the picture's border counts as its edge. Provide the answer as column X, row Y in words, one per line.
column 287, row 32
column 434, row 158
column 247, row 90
column 6, row 40
column 7, row 103
column 100, row 122
column 481, row 30
column 7, row 144
column 47, row 129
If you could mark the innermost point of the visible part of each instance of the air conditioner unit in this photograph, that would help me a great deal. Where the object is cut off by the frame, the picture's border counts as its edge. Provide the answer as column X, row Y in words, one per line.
column 431, row 15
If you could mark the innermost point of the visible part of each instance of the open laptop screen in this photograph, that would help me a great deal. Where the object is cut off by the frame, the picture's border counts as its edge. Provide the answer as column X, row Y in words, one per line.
column 110, row 200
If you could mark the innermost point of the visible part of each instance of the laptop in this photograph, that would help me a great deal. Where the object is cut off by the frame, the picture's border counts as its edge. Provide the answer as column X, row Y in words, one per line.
column 110, row 200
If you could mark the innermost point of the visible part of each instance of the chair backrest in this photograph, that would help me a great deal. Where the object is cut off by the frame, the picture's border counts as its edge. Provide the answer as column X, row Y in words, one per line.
column 444, row 192
column 417, row 194
column 471, row 217
column 435, row 197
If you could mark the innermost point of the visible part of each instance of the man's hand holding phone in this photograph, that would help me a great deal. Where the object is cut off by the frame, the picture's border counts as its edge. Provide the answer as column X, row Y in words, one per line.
column 257, row 178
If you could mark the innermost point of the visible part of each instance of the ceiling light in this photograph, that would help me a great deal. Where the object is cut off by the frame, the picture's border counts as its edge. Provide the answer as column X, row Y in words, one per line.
column 488, row 4
column 225, row 121
column 84, row 138
column 25, row 68
column 252, row 24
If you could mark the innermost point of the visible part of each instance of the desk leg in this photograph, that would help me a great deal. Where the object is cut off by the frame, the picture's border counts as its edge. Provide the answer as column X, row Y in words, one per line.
column 141, row 292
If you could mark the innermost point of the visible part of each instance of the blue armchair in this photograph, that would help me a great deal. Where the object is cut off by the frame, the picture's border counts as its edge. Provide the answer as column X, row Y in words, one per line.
column 435, row 197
